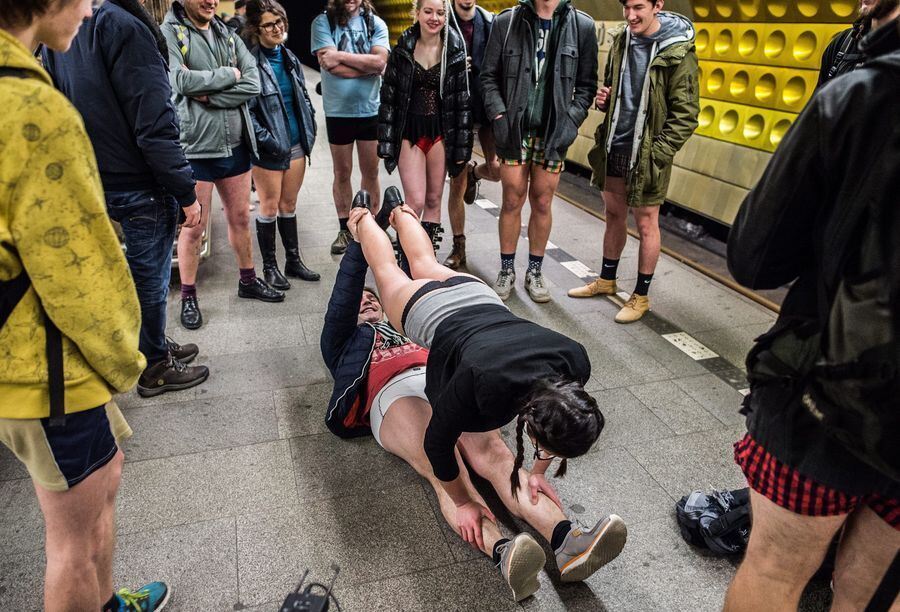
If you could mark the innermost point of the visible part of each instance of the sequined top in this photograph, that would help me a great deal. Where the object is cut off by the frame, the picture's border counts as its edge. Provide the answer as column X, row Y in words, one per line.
column 424, row 118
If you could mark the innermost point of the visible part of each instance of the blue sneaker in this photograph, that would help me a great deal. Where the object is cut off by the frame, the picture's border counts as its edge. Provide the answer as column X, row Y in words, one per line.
column 148, row 598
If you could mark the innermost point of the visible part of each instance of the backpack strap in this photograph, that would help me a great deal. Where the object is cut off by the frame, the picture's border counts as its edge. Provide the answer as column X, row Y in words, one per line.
column 7, row 71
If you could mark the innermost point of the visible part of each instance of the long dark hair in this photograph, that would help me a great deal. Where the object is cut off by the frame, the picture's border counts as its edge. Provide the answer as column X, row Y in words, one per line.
column 137, row 9
column 255, row 10
column 563, row 418
column 337, row 12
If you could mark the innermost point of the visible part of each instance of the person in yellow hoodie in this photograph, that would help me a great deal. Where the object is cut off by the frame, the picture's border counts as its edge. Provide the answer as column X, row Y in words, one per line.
column 67, row 306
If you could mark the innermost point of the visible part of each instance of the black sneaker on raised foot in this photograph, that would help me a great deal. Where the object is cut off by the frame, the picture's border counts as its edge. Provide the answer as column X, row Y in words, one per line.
column 191, row 317
column 391, row 200
column 259, row 290
column 170, row 375
column 362, row 199
column 184, row 353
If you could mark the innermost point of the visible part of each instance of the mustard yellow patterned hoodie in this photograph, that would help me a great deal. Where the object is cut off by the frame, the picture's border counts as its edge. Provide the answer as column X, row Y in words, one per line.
column 53, row 215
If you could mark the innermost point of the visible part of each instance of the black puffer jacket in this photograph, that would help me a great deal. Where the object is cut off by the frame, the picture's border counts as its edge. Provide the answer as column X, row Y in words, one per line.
column 456, row 104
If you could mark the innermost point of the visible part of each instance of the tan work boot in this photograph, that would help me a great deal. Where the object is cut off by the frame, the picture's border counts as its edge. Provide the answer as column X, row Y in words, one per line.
column 601, row 286
column 633, row 309
column 457, row 256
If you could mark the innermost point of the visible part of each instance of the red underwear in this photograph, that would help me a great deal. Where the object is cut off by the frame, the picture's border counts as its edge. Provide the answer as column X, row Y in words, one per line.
column 425, row 143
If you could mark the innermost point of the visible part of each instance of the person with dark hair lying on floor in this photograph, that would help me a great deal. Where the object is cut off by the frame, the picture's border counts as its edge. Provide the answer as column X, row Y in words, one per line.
column 380, row 379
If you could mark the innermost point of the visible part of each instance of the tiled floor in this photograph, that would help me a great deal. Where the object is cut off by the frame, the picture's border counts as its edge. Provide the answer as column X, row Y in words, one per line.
column 233, row 488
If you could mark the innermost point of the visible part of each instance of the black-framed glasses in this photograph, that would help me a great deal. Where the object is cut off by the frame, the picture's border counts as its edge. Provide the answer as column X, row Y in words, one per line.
column 540, row 454
column 270, row 27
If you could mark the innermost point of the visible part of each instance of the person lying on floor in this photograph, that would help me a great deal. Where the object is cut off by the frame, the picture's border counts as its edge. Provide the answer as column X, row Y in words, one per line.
column 380, row 389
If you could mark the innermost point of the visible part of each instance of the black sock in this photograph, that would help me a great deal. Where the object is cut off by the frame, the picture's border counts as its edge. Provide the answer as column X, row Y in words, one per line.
column 559, row 534
column 534, row 263
column 508, row 261
column 112, row 605
column 496, row 554
column 643, row 284
column 608, row 271
column 343, row 223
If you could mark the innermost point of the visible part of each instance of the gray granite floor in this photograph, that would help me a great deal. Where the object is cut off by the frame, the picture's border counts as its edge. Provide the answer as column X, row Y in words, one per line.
column 233, row 488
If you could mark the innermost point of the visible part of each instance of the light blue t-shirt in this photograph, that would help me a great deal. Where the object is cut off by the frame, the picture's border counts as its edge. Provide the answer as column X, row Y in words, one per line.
column 350, row 97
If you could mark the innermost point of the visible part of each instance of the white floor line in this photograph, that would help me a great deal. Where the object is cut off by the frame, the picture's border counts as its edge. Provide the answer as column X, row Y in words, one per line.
column 690, row 346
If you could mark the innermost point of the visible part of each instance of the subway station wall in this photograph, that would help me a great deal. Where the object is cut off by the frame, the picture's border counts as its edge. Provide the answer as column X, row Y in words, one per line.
column 759, row 62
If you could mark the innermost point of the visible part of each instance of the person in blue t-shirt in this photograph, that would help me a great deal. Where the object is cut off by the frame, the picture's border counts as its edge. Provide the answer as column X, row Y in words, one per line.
column 352, row 45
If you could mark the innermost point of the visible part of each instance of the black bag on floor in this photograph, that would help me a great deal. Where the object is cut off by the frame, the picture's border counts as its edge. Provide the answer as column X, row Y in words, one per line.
column 718, row 521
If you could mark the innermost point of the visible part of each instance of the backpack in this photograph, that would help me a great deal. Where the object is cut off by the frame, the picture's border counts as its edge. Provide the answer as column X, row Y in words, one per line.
column 718, row 521
column 11, row 293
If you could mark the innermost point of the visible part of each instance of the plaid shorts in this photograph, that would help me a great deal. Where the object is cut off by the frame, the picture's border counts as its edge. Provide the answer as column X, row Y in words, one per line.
column 617, row 164
column 788, row 488
column 533, row 153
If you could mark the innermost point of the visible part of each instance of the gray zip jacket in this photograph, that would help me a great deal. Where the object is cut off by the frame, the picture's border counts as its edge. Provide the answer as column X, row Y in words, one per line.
column 507, row 80
column 197, row 69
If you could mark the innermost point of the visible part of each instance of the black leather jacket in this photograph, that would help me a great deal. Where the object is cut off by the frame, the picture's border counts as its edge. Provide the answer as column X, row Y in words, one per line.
column 269, row 115
column 456, row 104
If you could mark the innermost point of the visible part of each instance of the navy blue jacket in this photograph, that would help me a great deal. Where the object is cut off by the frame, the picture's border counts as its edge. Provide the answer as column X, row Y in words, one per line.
column 484, row 21
column 269, row 113
column 116, row 77
column 346, row 346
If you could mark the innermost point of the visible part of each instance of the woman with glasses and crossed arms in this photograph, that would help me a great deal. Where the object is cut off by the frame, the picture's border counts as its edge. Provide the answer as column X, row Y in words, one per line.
column 285, row 128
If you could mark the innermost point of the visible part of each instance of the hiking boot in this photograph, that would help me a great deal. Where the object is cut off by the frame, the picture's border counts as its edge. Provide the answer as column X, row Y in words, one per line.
column 584, row 552
column 149, row 598
column 521, row 560
column 633, row 309
column 472, row 181
column 170, row 375
column 184, row 353
column 504, row 284
column 293, row 265
column 601, row 286
column 191, row 317
column 265, row 236
column 537, row 290
column 259, row 290
column 341, row 243
column 457, row 256
column 391, row 200
column 362, row 199
column 434, row 231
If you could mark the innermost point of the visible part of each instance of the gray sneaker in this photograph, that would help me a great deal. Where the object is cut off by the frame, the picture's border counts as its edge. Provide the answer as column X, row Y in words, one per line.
column 537, row 290
column 521, row 560
column 504, row 284
column 341, row 243
column 584, row 552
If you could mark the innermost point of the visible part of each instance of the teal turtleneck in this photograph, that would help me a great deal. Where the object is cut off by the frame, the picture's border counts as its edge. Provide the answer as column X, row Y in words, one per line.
column 285, row 84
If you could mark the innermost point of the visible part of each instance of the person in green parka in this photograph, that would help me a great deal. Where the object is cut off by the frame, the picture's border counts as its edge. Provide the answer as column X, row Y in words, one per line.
column 651, row 99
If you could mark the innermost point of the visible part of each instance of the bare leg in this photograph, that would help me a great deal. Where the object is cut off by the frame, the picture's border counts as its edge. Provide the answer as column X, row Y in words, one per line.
column 616, row 218
column 419, row 250
column 268, row 187
column 490, row 169
column 235, row 192
column 456, row 208
column 515, row 188
column 868, row 546
column 402, row 432
column 540, row 195
column 435, row 173
column 784, row 551
column 80, row 536
column 367, row 150
column 412, row 167
column 647, row 220
column 491, row 459
column 190, row 238
column 341, row 188
column 290, row 187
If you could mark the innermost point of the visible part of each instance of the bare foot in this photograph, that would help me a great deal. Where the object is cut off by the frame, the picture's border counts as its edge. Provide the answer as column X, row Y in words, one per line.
column 356, row 215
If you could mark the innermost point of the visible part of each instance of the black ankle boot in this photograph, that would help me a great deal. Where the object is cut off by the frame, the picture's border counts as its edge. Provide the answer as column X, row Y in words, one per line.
column 434, row 231
column 293, row 265
column 265, row 234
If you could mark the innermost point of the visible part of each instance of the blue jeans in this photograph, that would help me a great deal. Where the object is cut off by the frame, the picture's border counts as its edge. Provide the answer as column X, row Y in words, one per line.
column 148, row 220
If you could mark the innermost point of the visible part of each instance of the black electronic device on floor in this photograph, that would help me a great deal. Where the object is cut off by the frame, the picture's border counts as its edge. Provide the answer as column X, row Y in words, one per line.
column 306, row 601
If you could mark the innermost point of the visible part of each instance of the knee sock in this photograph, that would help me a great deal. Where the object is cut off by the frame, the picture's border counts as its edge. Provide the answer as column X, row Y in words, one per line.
column 643, row 284
column 264, row 219
column 534, row 263
column 496, row 554
column 248, row 275
column 608, row 271
column 508, row 261
column 188, row 290
column 343, row 223
column 559, row 534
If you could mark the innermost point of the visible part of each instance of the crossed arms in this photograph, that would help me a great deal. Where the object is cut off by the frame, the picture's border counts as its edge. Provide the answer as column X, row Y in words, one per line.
column 352, row 65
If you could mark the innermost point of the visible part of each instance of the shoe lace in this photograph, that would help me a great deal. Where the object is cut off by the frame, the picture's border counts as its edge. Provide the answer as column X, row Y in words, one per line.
column 179, row 366
column 133, row 601
column 505, row 278
column 537, row 281
column 173, row 346
column 632, row 301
